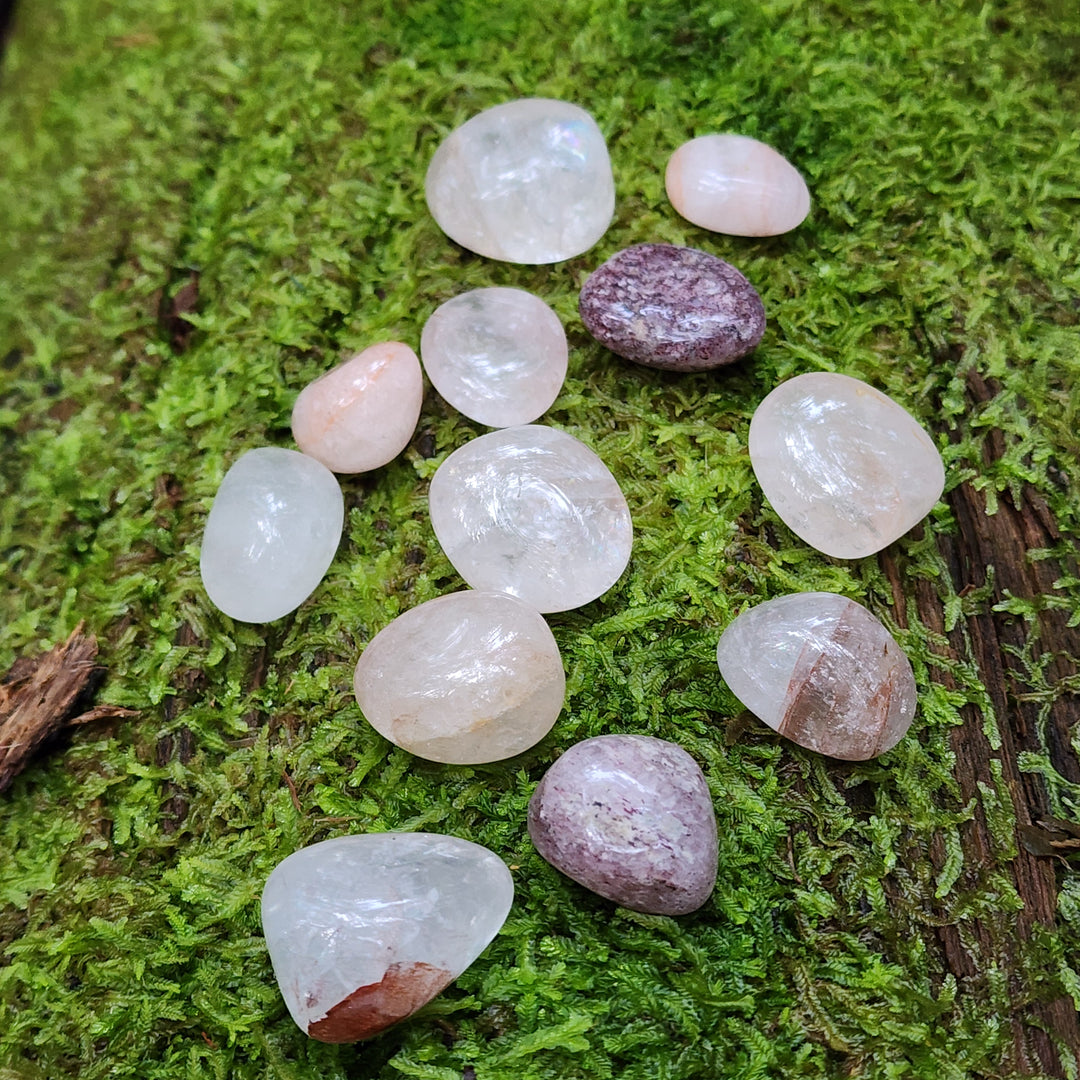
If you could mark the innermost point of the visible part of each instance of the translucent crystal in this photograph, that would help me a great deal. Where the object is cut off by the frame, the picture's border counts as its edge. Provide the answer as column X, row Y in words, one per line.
column 364, row 930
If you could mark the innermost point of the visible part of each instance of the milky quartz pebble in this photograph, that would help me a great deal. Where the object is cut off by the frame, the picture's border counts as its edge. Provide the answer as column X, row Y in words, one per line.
column 533, row 512
column 674, row 308
column 736, row 185
column 362, row 413
column 845, row 467
column 465, row 678
column 822, row 671
column 497, row 355
column 631, row 818
column 527, row 182
column 271, row 534
column 364, row 930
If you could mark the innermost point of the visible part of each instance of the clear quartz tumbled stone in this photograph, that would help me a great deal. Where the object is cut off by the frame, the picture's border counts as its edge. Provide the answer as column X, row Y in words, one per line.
column 271, row 535
column 821, row 670
column 462, row 679
column 364, row 930
column 533, row 512
column 846, row 468
column 497, row 355
column 526, row 182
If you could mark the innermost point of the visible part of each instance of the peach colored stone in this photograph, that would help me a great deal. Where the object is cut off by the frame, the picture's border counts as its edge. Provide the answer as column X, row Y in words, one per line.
column 361, row 414
column 736, row 185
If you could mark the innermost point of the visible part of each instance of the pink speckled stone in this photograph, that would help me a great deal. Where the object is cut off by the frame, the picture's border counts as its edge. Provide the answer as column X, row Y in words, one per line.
column 736, row 185
column 361, row 414
column 631, row 818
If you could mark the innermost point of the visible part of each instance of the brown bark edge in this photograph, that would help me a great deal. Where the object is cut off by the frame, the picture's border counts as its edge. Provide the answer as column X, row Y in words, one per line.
column 1002, row 540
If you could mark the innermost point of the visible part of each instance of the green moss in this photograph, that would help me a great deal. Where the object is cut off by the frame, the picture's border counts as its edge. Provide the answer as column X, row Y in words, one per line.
column 278, row 150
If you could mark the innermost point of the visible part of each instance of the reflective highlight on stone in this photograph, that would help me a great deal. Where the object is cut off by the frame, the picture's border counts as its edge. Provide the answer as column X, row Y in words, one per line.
column 533, row 512
column 846, row 468
column 364, row 930
column 362, row 413
column 463, row 679
column 271, row 534
column 497, row 355
column 822, row 671
column 736, row 185
column 672, row 307
column 527, row 182
column 629, row 817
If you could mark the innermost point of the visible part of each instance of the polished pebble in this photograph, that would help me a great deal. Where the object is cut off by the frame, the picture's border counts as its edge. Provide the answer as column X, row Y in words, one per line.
column 361, row 414
column 736, row 185
column 821, row 670
column 631, row 818
column 364, row 930
column 533, row 512
column 271, row 534
column 497, row 355
column 673, row 308
column 846, row 468
column 462, row 679
column 526, row 182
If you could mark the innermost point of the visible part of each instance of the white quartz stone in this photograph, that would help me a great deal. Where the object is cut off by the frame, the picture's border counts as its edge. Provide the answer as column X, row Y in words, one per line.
column 533, row 512
column 736, row 185
column 271, row 534
column 527, row 182
column 361, row 414
column 497, row 355
column 846, row 468
column 364, row 930
column 821, row 670
column 463, row 679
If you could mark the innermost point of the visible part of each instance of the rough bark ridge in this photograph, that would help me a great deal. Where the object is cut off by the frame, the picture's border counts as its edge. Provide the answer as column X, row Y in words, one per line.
column 998, row 544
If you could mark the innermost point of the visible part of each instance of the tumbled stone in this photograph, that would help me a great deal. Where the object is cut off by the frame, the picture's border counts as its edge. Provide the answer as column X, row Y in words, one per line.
column 673, row 308
column 533, row 512
column 497, row 355
column 736, row 185
column 364, row 930
column 822, row 671
column 527, row 182
column 271, row 534
column 462, row 679
column 845, row 467
column 631, row 818
column 362, row 413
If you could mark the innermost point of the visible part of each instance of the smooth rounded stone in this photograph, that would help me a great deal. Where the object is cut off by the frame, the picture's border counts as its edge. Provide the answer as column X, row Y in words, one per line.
column 497, row 355
column 822, row 671
column 364, row 930
column 631, row 818
column 672, row 307
column 736, row 185
column 846, row 468
column 527, row 182
column 463, row 679
column 362, row 413
column 271, row 535
column 533, row 512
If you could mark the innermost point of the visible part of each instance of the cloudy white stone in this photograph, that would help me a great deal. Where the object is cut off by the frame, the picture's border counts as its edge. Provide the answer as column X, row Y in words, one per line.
column 533, row 512
column 361, row 414
column 736, row 185
column 364, row 930
column 821, row 670
column 846, row 468
column 271, row 534
column 526, row 182
column 462, row 679
column 497, row 355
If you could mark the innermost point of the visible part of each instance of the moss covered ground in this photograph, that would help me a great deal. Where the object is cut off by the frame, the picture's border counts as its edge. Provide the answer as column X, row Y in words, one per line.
column 273, row 151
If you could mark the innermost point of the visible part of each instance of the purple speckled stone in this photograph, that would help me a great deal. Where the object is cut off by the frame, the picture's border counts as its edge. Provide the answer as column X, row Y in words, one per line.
column 673, row 308
column 629, row 817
